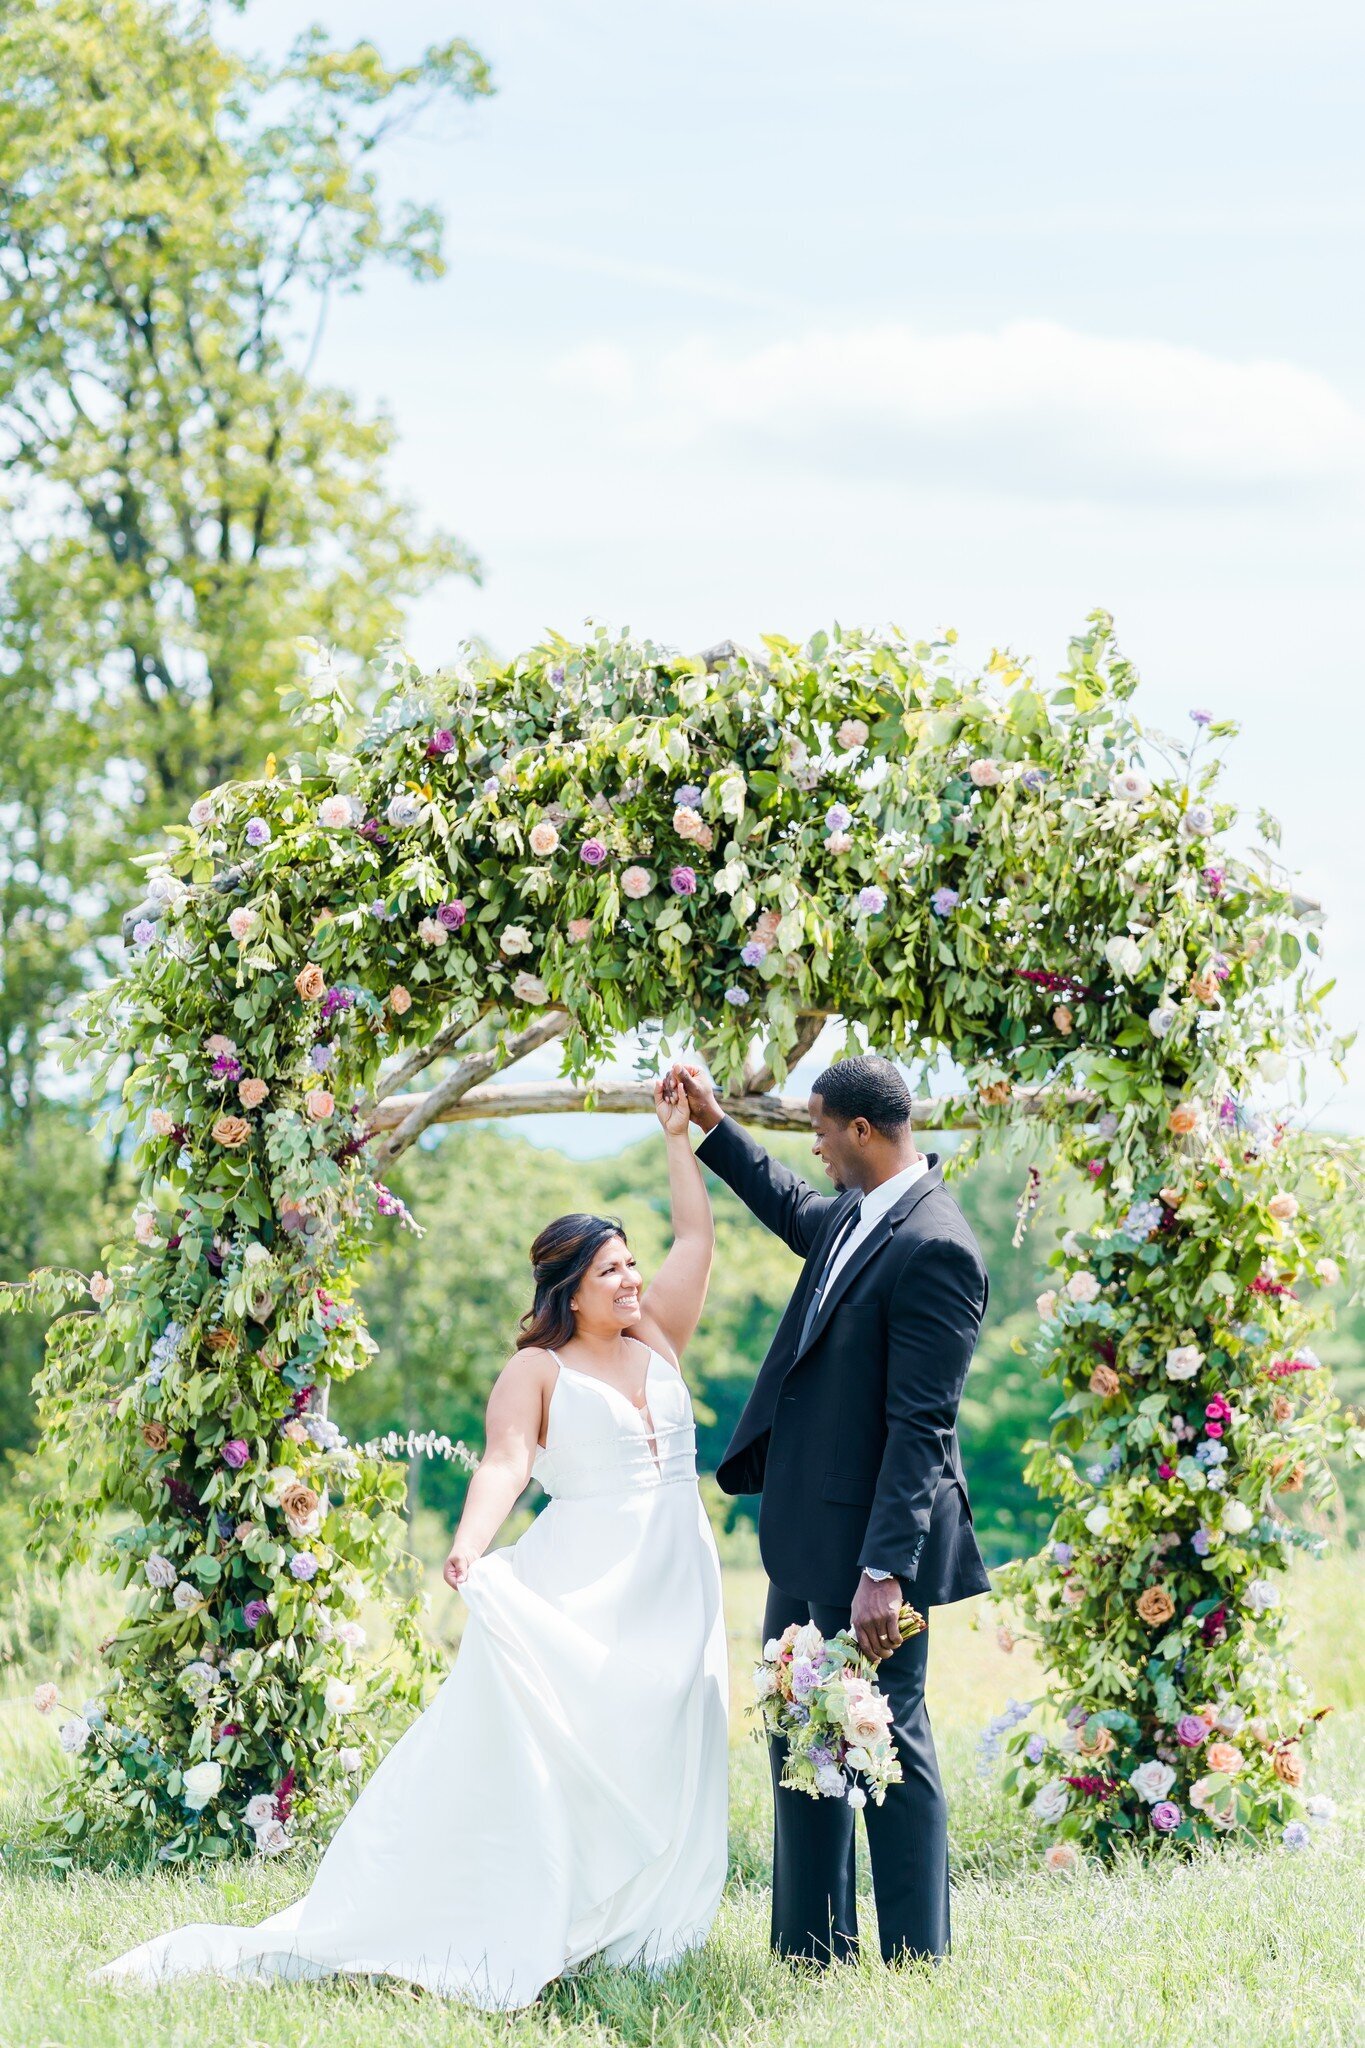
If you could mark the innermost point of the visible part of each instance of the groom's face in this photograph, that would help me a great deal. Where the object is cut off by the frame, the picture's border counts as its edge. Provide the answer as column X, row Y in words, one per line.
column 836, row 1146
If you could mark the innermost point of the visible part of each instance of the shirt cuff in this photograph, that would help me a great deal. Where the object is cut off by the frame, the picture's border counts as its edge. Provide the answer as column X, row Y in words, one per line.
column 868, row 1573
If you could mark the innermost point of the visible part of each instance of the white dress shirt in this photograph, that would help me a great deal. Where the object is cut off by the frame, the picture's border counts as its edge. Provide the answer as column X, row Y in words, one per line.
column 875, row 1205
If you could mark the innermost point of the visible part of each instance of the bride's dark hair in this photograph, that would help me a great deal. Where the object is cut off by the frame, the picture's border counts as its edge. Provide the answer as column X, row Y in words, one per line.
column 560, row 1256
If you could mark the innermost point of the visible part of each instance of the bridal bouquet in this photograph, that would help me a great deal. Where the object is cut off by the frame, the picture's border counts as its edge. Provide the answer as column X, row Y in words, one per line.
column 821, row 1695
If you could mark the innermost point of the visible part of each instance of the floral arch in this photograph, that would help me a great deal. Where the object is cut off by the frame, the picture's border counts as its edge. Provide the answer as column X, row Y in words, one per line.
column 730, row 848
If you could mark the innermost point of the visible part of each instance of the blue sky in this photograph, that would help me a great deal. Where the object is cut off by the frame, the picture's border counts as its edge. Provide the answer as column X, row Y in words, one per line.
column 760, row 315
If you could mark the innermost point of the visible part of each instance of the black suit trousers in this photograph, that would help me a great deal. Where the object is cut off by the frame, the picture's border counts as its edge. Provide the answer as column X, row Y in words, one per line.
column 815, row 1910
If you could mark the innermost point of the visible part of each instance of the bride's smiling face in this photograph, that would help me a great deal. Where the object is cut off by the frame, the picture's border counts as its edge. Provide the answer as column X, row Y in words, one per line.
column 607, row 1298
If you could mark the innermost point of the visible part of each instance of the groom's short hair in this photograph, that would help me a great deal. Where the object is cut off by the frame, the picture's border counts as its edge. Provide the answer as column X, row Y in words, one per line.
column 866, row 1085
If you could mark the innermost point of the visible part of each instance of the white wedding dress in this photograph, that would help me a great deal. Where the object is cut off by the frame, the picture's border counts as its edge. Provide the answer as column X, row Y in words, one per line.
column 564, row 1795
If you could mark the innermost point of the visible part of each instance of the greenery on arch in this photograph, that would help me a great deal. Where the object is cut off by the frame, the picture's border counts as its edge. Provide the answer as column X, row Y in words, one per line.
column 608, row 836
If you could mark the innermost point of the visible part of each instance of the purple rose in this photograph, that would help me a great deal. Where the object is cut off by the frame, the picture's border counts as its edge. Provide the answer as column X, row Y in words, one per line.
column 736, row 997
column 1063, row 1554
column 1191, row 1730
column 1165, row 1816
column 255, row 1612
column 689, row 796
column 143, row 934
column 754, row 954
column 303, row 1564
column 872, row 900
column 838, row 818
column 257, row 832
column 683, row 881
column 236, row 1451
column 1035, row 1749
column 452, row 915
column 441, row 741
column 1202, row 717
column 1199, row 1543
column 1297, row 1835
column 944, row 901
column 592, row 853
column 1034, row 778
column 820, row 1756
column 805, row 1678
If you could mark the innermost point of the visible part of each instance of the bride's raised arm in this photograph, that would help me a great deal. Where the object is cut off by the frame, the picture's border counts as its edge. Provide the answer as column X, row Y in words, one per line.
column 672, row 1303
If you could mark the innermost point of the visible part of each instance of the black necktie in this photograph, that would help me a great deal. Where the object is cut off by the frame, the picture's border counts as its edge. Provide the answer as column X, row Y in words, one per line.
column 841, row 1236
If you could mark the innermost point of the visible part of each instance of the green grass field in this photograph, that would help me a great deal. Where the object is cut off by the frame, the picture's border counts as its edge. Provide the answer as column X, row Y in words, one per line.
column 1232, row 1951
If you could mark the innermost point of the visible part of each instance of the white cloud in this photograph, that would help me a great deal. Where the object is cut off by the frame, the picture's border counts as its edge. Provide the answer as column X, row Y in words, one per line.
column 1033, row 409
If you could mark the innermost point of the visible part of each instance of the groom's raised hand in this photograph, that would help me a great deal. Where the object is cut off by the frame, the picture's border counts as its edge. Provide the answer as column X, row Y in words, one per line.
column 701, row 1094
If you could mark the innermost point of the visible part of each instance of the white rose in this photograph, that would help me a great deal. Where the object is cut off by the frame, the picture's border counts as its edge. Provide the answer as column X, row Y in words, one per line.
column 1129, row 785
column 808, row 1643
column 1052, row 1800
column 201, row 812
column 259, row 1810
column 1272, row 1067
column 272, row 1839
column 1097, row 1521
column 334, row 812
column 73, row 1736
column 1083, row 1287
column 256, row 1253
column 765, row 1681
column 984, row 774
column 351, row 1761
column 771, row 1648
column 201, row 1782
column 1321, row 1807
column 1237, row 1517
column 1183, row 1361
column 432, row 932
column 1046, row 1304
column 1152, row 1781
column 1162, row 1020
column 529, row 988
column 857, row 1798
column 339, row 1695
column 515, row 939
column 352, row 1634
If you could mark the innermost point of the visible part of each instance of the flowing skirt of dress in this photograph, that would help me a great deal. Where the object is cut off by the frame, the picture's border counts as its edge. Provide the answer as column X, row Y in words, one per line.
column 564, row 1794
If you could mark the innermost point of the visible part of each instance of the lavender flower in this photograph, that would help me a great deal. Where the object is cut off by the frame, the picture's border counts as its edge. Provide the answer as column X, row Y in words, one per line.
column 1296, row 1835
column 838, row 818
column 144, row 932
column 754, row 954
column 1202, row 717
column 303, row 1565
column 235, row 1452
column 257, row 832
column 1107, row 1127
column 452, row 915
column 1166, row 1816
column 1143, row 1218
column 737, row 997
column 380, row 909
column 1035, row 1749
column 255, row 1612
column 688, row 797
column 872, row 900
column 1062, row 1554
column 1033, row 779
column 490, row 785
column 1197, row 822
column 683, row 881
column 320, row 1057
column 592, row 853
column 944, row 901
column 336, row 999
column 1201, row 1543
column 441, row 742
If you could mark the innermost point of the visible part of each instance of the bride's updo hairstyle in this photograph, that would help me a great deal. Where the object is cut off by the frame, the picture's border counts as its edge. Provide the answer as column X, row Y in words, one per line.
column 560, row 1256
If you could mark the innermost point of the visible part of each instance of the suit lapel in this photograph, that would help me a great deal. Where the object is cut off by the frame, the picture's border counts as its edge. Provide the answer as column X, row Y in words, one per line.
column 881, row 1234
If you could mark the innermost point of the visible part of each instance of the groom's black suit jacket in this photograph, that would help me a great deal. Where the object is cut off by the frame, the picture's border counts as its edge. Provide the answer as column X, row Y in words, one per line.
column 852, row 1438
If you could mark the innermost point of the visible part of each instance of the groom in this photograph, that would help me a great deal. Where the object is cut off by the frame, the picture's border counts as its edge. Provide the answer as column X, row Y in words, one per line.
column 850, row 1437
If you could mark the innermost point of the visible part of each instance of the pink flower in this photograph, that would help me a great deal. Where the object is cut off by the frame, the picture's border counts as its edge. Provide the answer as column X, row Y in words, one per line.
column 251, row 1092
column 544, row 838
column 683, row 881
column 592, row 853
column 162, row 1123
column 1060, row 1856
column 452, row 915
column 1213, row 1429
column 984, row 774
column 1166, row 1815
column 839, row 842
column 1165, row 1471
column 45, row 1697
column 1191, row 1730
column 1218, row 1410
column 852, row 733
column 636, row 883
column 242, row 923
column 334, row 812
column 580, row 928
column 688, row 823
column 217, row 1046
column 441, row 742
column 320, row 1103
column 236, row 1451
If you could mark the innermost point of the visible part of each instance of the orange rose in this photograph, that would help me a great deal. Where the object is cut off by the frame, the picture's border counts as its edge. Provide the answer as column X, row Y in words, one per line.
column 1064, row 1020
column 1155, row 1606
column 298, row 1501
column 1205, row 986
column 994, row 1092
column 320, row 1103
column 400, row 1002
column 221, row 1339
column 1172, row 1197
column 1098, row 1744
column 311, row 983
column 1184, row 1119
column 1284, row 1207
column 232, row 1131
column 1223, row 1757
column 155, row 1435
column 1282, row 1408
column 1104, row 1381
column 252, row 1092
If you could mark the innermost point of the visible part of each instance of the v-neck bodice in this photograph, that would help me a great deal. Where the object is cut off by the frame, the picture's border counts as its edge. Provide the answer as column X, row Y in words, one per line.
column 597, row 1441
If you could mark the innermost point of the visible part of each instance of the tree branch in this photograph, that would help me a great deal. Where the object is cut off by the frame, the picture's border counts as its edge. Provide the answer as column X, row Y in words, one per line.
column 627, row 1098
column 759, row 1077
column 442, row 1103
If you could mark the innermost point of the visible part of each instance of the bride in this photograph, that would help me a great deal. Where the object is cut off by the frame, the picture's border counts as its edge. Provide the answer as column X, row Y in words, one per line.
column 564, row 1795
